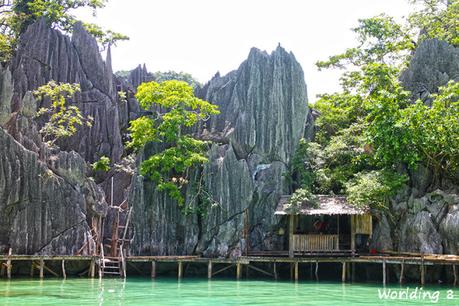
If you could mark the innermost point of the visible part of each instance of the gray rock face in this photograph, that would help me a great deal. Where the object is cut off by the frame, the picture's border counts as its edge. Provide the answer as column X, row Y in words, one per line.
column 429, row 224
column 45, row 54
column 433, row 65
column 263, row 108
column 44, row 209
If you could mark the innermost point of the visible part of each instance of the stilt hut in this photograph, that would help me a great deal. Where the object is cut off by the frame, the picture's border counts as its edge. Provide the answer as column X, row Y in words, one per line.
column 331, row 225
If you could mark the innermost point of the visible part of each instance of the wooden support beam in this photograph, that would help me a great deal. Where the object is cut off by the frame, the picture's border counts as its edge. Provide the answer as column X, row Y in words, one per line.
column 64, row 275
column 32, row 268
column 343, row 272
column 92, row 268
column 296, row 271
column 209, row 269
column 275, row 270
column 153, row 269
column 259, row 270
column 384, row 272
column 9, row 265
column 238, row 270
column 42, row 265
column 455, row 275
column 180, row 269
column 290, row 236
column 402, row 271
column 317, row 270
column 353, row 272
column 222, row 269
column 422, row 270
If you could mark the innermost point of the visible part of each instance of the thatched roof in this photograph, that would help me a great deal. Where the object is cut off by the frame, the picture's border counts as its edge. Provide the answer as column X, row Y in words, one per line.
column 327, row 205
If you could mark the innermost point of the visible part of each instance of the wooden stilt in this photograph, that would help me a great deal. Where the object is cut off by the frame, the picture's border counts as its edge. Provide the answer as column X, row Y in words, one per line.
column 402, row 271
column 343, row 272
column 9, row 266
column 290, row 236
column 291, row 271
column 209, row 269
column 384, row 272
column 353, row 272
column 180, row 269
column 153, row 269
column 422, row 271
column 64, row 275
column 296, row 271
column 455, row 275
column 275, row 271
column 42, row 265
column 238, row 270
column 32, row 268
column 317, row 270
column 92, row 268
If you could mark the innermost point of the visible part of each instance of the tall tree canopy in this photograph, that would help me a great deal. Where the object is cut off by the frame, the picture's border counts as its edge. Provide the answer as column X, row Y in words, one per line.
column 175, row 112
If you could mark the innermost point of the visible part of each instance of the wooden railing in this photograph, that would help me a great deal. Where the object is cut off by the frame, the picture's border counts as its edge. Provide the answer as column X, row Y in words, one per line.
column 307, row 243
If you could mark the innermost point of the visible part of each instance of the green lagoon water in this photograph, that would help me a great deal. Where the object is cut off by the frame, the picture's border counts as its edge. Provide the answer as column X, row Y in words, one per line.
column 144, row 291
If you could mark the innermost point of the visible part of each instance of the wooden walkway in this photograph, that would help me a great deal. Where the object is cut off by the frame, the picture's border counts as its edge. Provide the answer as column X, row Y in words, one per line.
column 38, row 262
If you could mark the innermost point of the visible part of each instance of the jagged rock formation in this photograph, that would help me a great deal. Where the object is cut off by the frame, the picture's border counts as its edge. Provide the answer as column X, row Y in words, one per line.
column 45, row 54
column 263, row 108
column 47, row 201
column 434, row 63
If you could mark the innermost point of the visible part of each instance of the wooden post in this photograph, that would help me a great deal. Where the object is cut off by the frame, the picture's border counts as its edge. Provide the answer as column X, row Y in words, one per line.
column 153, row 269
column 353, row 272
column 64, row 275
column 337, row 232
column 32, row 267
column 402, row 271
column 296, row 271
column 92, row 268
column 209, row 269
column 290, row 236
column 42, row 265
column 455, row 275
column 9, row 266
column 343, row 272
column 384, row 271
column 422, row 270
column 317, row 270
column 275, row 271
column 352, row 233
column 238, row 270
column 180, row 269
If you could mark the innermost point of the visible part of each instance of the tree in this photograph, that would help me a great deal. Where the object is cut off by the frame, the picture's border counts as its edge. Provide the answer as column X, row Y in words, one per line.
column 17, row 15
column 176, row 111
column 62, row 120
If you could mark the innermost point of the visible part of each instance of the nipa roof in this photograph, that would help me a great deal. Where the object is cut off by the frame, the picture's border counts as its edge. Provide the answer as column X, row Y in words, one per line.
column 328, row 205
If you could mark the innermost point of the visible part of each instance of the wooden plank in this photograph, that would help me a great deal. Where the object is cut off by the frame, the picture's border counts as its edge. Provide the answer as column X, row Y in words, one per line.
column 317, row 270
column 343, row 272
column 275, row 270
column 422, row 271
column 92, row 268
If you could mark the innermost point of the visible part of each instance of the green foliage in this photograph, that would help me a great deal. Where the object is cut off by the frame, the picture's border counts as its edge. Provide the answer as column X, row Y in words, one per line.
column 181, row 111
column 299, row 197
column 103, row 164
column 437, row 19
column 63, row 119
column 374, row 188
column 160, row 77
column 16, row 17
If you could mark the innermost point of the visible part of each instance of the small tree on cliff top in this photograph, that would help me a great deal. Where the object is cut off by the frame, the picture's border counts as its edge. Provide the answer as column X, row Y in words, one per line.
column 176, row 111
column 63, row 119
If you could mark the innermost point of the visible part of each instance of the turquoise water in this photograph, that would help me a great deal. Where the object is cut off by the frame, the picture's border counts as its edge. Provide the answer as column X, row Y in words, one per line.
column 143, row 291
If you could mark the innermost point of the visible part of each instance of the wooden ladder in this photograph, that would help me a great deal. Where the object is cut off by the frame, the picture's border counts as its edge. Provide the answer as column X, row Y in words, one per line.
column 115, row 264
